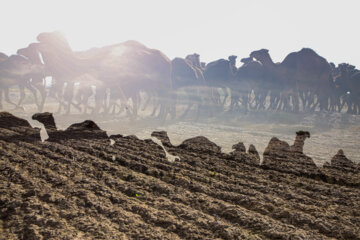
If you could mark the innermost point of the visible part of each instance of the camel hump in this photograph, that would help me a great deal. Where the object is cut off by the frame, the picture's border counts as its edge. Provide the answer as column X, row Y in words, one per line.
column 217, row 62
column 308, row 51
column 55, row 39
column 14, row 63
column 134, row 43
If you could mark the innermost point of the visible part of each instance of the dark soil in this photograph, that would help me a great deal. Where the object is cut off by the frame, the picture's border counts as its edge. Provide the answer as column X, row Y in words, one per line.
column 78, row 185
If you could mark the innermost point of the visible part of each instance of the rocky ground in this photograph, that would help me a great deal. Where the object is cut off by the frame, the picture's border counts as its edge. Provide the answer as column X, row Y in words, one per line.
column 82, row 184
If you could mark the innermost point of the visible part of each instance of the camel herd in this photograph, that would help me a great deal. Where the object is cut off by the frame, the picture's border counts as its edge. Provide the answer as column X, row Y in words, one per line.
column 117, row 77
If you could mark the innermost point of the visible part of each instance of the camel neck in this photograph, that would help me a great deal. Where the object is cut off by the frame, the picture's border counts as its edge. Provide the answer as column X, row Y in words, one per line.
column 267, row 61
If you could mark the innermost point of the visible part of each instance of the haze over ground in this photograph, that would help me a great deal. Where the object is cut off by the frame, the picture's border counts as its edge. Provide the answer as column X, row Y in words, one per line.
column 214, row 29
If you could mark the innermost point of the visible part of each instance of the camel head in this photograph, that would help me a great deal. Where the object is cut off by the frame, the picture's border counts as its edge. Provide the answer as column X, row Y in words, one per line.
column 194, row 59
column 232, row 60
column 50, row 36
column 246, row 60
column 18, row 65
column 346, row 69
column 260, row 54
column 333, row 66
column 28, row 51
column 32, row 52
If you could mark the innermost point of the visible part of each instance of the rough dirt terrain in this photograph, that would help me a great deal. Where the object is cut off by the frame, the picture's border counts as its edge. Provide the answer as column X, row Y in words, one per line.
column 81, row 184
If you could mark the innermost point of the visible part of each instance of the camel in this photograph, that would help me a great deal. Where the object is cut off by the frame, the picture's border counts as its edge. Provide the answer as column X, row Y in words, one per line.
column 313, row 75
column 304, row 73
column 220, row 74
column 355, row 92
column 15, row 70
column 347, row 83
column 65, row 68
column 37, row 79
column 195, row 60
column 250, row 76
column 133, row 67
column 277, row 74
column 128, row 65
column 188, row 77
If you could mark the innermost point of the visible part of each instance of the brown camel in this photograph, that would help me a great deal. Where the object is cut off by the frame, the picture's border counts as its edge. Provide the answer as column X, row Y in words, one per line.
column 221, row 74
column 15, row 71
column 278, row 74
column 194, row 60
column 37, row 79
column 128, row 65
column 188, row 78
column 303, row 72
column 250, row 77
column 348, row 87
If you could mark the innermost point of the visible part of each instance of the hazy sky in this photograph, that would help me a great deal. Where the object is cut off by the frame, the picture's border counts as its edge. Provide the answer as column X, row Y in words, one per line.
column 214, row 29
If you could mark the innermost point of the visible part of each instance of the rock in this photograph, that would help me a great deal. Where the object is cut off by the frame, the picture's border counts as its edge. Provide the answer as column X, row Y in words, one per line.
column 342, row 170
column 279, row 156
column 239, row 147
column 84, row 130
column 341, row 161
column 254, row 153
column 47, row 119
column 275, row 149
column 200, row 144
column 163, row 137
column 299, row 141
column 7, row 120
column 17, row 129
column 239, row 154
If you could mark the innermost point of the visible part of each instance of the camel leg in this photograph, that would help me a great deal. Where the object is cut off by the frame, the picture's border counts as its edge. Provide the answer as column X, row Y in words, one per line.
column 135, row 105
column 183, row 115
column 235, row 96
column 277, row 100
column 295, row 101
column 43, row 97
column 1, row 97
column 273, row 100
column 262, row 100
column 282, row 102
column 7, row 98
column 34, row 92
column 303, row 100
column 22, row 94
column 245, row 101
column 226, row 95
column 314, row 106
column 147, row 102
